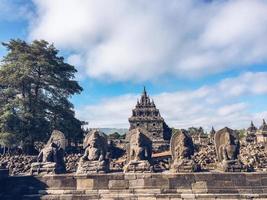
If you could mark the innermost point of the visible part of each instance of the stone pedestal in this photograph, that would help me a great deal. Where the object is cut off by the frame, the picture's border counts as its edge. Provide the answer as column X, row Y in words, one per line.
column 184, row 165
column 92, row 167
column 138, row 166
column 38, row 168
column 230, row 166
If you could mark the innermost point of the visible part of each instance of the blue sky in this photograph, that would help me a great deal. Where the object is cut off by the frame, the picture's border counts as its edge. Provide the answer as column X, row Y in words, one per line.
column 203, row 62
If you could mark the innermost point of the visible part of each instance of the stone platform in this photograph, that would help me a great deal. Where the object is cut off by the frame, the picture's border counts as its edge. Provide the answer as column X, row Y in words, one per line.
column 137, row 186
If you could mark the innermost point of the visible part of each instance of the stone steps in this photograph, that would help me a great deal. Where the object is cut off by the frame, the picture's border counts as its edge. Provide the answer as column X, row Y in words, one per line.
column 148, row 196
column 132, row 194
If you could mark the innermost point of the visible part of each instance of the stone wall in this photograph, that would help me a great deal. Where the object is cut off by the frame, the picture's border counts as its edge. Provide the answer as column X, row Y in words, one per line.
column 138, row 186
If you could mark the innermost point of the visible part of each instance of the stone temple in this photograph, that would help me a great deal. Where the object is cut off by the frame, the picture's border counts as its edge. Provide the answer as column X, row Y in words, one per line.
column 146, row 115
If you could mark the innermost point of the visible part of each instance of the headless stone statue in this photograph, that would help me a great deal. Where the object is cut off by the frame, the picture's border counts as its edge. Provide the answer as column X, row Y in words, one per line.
column 227, row 150
column 139, row 152
column 51, row 158
column 95, row 159
column 182, row 149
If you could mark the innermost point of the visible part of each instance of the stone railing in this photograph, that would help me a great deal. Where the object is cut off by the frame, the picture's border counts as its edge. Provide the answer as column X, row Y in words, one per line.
column 133, row 186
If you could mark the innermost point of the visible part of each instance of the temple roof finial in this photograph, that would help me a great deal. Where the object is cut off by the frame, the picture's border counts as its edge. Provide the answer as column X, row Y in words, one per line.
column 144, row 90
column 212, row 131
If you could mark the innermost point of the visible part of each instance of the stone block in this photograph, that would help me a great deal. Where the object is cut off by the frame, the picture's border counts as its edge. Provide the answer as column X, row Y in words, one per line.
column 157, row 183
column 203, row 177
column 200, row 187
column 223, row 176
column 147, row 191
column 181, row 182
column 137, row 183
column 264, row 182
column 130, row 176
column 85, row 184
column 143, row 175
column 101, row 182
column 188, row 196
column 58, row 181
column 118, row 184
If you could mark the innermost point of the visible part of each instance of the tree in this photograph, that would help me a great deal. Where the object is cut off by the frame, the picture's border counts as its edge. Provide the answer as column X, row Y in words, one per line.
column 35, row 87
column 241, row 133
column 114, row 136
column 7, row 140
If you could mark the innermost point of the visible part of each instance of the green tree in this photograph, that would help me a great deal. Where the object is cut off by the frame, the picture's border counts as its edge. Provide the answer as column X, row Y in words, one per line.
column 241, row 133
column 7, row 140
column 114, row 136
column 35, row 87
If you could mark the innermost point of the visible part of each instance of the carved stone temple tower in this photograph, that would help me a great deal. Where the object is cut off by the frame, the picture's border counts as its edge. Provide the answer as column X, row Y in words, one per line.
column 145, row 115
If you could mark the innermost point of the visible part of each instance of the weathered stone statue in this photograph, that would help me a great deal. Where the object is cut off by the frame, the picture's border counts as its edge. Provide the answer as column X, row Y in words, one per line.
column 182, row 148
column 51, row 158
column 227, row 150
column 139, row 152
column 95, row 158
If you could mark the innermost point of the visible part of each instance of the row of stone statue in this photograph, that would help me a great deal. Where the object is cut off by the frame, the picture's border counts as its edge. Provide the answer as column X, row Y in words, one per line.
column 139, row 153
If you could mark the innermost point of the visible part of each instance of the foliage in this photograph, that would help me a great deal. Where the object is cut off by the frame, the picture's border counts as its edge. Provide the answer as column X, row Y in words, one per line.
column 7, row 139
column 194, row 130
column 35, row 87
column 241, row 133
column 174, row 130
column 116, row 135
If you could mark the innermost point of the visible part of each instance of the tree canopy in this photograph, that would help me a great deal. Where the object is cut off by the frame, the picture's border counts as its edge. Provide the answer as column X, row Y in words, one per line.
column 35, row 87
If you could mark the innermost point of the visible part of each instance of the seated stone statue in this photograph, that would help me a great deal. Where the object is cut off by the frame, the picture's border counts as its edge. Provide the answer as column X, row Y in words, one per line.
column 95, row 158
column 182, row 148
column 51, row 158
column 139, row 152
column 227, row 150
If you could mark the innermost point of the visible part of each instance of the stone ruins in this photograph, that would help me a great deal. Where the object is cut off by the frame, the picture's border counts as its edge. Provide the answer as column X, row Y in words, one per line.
column 182, row 148
column 227, row 150
column 261, row 133
column 51, row 157
column 139, row 152
column 152, row 162
column 95, row 158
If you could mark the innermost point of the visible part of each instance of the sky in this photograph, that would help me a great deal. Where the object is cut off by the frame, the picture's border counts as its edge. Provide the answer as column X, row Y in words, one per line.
column 202, row 61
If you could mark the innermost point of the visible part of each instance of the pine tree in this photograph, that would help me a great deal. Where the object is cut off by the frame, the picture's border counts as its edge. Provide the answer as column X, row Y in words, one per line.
column 35, row 87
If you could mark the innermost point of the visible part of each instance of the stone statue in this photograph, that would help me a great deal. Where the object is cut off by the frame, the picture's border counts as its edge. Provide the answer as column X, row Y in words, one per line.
column 227, row 149
column 182, row 148
column 51, row 157
column 95, row 158
column 139, row 152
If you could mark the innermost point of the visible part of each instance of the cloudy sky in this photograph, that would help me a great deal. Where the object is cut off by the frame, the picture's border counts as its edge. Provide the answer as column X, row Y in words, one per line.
column 202, row 61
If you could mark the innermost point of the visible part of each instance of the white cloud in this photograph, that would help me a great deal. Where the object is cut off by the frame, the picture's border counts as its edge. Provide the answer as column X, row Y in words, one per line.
column 78, row 61
column 231, row 109
column 215, row 105
column 140, row 40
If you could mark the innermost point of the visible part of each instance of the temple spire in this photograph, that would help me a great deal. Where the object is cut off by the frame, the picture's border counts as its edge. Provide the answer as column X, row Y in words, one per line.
column 212, row 130
column 144, row 92
column 252, row 124
column 144, row 98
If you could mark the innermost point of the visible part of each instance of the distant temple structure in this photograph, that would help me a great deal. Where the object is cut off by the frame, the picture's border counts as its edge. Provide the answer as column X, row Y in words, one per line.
column 145, row 115
column 211, row 135
column 251, row 133
column 261, row 133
